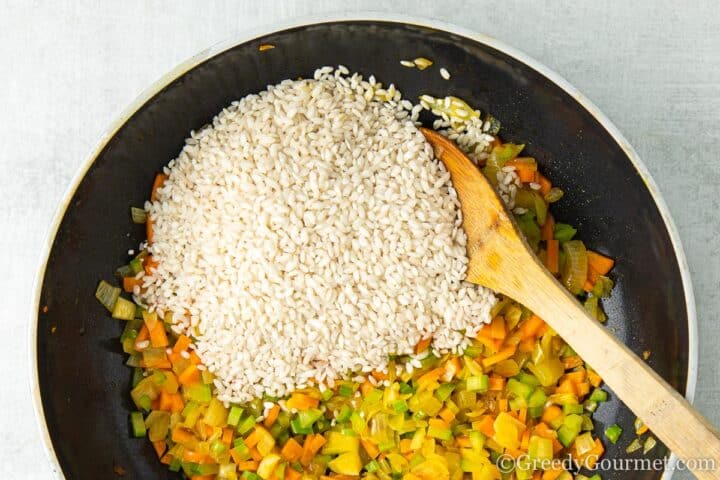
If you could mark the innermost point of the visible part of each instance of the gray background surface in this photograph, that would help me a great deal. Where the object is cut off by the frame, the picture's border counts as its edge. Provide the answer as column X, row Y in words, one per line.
column 70, row 67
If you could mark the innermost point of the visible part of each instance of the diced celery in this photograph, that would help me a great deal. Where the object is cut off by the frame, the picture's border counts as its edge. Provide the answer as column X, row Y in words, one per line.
column 587, row 424
column 590, row 405
column 527, row 379
column 296, row 425
column 248, row 475
column 246, row 424
column 564, row 232
column 571, row 427
column 372, row 466
column 634, row 446
column 137, row 423
column 439, row 433
column 234, row 415
column 598, row 395
column 124, row 309
column 400, row 406
column 345, row 390
column 540, row 448
column 479, row 383
column 138, row 215
column 519, row 389
column 572, row 408
column 444, row 391
column 107, row 295
column 613, row 433
column 199, row 392
column 473, row 351
column 344, row 414
column 649, row 444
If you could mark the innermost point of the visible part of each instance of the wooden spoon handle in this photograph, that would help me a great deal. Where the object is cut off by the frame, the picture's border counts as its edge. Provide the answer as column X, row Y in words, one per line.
column 668, row 415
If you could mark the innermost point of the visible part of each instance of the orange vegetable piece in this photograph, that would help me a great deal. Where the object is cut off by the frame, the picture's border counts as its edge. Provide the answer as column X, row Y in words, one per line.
column 143, row 335
column 366, row 387
column 255, row 454
column 227, row 436
column 302, row 401
column 157, row 183
column 447, row 415
column 552, row 258
column 551, row 413
column 594, row 379
column 566, row 386
column 149, row 230
column 150, row 264
column 503, row 404
column 531, row 326
column 463, row 442
column 547, row 231
column 552, row 473
column 545, row 185
column 202, row 477
column 292, row 451
column 129, row 283
column 271, row 416
column 195, row 457
column 370, row 448
column 577, row 376
column 312, row 444
column 182, row 436
column 503, row 354
column 423, row 344
column 542, row 430
column 292, row 474
column 379, row 376
column 158, row 337
column 573, row 361
column 181, row 344
column 497, row 328
column 247, row 466
column 485, row 425
column 496, row 383
column 160, row 446
column 599, row 263
column 189, row 376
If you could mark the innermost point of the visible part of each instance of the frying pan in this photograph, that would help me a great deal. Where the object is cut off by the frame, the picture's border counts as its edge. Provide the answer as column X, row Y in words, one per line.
column 81, row 385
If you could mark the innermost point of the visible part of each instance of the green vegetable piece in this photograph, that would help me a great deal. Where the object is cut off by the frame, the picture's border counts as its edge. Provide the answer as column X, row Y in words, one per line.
column 590, row 405
column 598, row 395
column 234, row 416
column 406, row 388
column 123, row 309
column 473, row 351
column 571, row 427
column 564, row 232
column 344, row 414
column 634, row 446
column 199, row 392
column 527, row 379
column 479, row 383
column 107, row 295
column 250, row 475
column 649, row 444
column 444, row 391
column 570, row 408
column 372, row 466
column 530, row 228
column 613, row 433
column 537, row 399
column 137, row 424
column 138, row 215
column 540, row 449
column 296, row 425
column 400, row 406
column 519, row 389
column 345, row 390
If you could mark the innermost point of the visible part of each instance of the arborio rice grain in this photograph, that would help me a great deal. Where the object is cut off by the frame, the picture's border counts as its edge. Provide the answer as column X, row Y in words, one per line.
column 309, row 233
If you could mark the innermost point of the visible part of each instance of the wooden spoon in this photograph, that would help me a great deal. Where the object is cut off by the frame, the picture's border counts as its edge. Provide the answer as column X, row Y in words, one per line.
column 500, row 259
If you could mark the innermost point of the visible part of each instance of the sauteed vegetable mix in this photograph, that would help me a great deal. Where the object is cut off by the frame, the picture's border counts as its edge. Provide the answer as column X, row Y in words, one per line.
column 515, row 400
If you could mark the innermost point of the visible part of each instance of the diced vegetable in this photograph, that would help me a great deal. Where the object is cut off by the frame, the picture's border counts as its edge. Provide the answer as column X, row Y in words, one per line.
column 138, row 215
column 574, row 272
column 613, row 433
column 107, row 295
column 137, row 424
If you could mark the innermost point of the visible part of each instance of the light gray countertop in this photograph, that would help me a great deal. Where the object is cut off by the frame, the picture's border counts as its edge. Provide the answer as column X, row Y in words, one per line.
column 70, row 67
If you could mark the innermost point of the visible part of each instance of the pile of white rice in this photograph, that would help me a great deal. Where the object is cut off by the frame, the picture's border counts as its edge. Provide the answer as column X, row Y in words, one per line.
column 309, row 233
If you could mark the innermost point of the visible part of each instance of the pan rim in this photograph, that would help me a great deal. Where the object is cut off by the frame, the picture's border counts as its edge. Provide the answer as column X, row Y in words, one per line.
column 370, row 16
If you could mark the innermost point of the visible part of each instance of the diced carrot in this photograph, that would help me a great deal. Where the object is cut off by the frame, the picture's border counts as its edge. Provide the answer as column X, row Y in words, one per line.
column 160, row 446
column 149, row 230
column 531, row 326
column 582, row 388
column 247, row 466
column 527, row 345
column 192, row 456
column 572, row 361
column 255, row 454
column 404, row 445
column 271, row 416
column 252, row 439
column 366, row 387
column 150, row 264
column 552, row 473
column 227, row 436
column 158, row 337
column 379, row 376
column 430, row 377
column 423, row 344
column 503, row 354
column 526, row 175
column 157, row 183
column 370, row 448
column 594, row 379
column 485, row 425
column 545, row 185
column 522, row 414
column 537, row 475
column 194, row 359
column 496, row 383
column 165, row 401
column 542, row 330
column 599, row 263
column 166, row 459
column 547, row 231
column 452, row 369
column 312, row 444
column 447, row 415
column 566, row 386
column 576, row 376
column 552, row 257
column 182, row 436
column 463, row 442
column 551, row 413
column 129, row 283
column 302, row 401
column 543, row 430
column 525, row 167
column 292, row 450
column 202, row 477
column 503, row 404
column 143, row 335
column 189, row 376
column 292, row 474
column 181, row 344
column 497, row 328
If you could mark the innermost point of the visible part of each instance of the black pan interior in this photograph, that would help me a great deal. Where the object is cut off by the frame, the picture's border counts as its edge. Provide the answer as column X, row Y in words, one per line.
column 83, row 381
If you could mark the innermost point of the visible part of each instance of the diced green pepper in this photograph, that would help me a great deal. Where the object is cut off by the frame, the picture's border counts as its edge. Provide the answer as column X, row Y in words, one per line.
column 564, row 232
column 613, row 433
column 598, row 395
